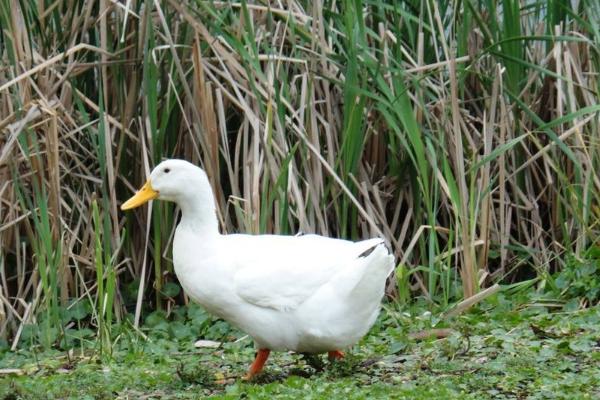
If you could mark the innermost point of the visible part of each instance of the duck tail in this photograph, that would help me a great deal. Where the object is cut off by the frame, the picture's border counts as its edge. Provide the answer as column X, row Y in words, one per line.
column 364, row 280
column 377, row 265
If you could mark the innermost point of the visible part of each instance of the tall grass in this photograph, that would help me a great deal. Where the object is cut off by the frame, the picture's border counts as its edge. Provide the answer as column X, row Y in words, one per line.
column 465, row 133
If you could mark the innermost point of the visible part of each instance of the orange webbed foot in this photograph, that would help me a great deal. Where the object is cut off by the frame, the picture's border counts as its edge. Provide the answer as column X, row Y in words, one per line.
column 335, row 355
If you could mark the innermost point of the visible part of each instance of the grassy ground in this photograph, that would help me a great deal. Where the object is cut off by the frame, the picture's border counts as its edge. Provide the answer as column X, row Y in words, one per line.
column 501, row 350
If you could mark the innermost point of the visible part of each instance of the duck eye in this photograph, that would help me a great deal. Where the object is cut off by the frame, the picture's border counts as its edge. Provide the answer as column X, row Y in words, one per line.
column 167, row 170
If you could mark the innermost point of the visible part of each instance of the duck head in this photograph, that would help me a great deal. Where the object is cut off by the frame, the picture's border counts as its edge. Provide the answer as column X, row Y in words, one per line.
column 173, row 180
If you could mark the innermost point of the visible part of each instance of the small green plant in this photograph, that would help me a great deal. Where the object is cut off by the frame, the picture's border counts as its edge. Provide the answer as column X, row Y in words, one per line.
column 343, row 367
column 197, row 374
column 579, row 280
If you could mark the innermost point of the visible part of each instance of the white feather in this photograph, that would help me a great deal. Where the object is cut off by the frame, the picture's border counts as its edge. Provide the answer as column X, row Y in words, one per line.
column 305, row 293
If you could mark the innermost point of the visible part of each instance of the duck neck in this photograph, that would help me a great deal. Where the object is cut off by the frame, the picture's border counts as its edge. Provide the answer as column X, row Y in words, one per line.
column 199, row 214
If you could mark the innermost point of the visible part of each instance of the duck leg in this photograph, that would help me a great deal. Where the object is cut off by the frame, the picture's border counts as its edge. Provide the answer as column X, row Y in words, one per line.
column 335, row 355
column 258, row 364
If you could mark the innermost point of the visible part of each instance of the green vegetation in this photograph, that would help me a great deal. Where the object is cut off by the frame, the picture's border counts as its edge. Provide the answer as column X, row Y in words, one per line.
column 465, row 133
column 502, row 350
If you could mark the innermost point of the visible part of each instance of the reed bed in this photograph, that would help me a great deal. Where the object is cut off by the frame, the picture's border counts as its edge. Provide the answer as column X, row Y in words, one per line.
column 464, row 133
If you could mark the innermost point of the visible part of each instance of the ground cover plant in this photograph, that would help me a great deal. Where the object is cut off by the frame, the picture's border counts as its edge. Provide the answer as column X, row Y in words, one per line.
column 465, row 133
column 501, row 350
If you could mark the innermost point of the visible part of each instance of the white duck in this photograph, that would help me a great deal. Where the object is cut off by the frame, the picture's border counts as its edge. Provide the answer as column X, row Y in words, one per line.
column 305, row 293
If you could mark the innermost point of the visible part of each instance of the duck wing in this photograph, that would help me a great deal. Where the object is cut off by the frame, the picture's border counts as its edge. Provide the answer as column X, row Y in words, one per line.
column 281, row 272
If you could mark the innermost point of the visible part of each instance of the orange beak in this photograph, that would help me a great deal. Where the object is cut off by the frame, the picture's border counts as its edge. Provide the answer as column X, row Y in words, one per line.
column 145, row 194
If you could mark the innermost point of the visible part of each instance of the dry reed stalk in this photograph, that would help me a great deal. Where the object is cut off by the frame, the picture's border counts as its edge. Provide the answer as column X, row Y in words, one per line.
column 262, row 101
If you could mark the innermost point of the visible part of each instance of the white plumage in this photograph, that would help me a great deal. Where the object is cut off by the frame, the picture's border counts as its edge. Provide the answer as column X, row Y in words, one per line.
column 304, row 293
